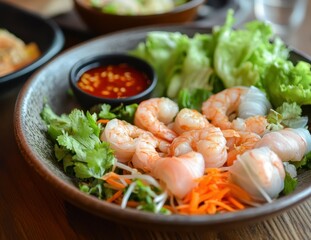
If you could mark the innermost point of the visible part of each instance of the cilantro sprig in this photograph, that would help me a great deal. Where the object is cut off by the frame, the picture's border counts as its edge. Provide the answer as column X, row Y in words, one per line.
column 77, row 143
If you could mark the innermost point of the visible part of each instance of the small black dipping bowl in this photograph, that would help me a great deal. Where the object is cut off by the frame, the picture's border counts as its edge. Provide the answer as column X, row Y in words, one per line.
column 88, row 100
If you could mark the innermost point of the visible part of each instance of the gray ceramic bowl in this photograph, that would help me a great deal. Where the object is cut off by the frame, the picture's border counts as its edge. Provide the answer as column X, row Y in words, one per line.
column 50, row 84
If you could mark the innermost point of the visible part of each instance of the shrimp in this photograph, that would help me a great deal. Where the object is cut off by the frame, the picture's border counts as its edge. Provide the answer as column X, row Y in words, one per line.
column 154, row 115
column 145, row 156
column 260, row 172
column 179, row 173
column 223, row 107
column 209, row 141
column 257, row 124
column 240, row 143
column 289, row 144
column 220, row 106
column 189, row 119
column 123, row 138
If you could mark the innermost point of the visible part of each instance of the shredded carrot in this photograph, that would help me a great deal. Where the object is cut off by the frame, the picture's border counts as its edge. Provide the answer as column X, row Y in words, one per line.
column 194, row 202
column 115, row 196
column 103, row 121
column 115, row 180
column 132, row 204
column 236, row 203
column 213, row 194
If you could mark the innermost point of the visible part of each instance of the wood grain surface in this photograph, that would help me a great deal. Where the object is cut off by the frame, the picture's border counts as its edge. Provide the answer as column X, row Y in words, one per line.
column 29, row 209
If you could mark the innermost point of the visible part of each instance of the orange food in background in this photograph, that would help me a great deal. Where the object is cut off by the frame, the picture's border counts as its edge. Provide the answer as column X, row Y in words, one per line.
column 14, row 53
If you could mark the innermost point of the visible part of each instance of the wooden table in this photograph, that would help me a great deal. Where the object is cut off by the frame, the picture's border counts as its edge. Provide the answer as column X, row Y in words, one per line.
column 29, row 209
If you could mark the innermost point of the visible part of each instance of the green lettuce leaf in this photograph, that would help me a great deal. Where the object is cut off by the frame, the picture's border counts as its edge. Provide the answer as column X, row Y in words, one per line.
column 242, row 56
column 195, row 69
column 123, row 112
column 305, row 163
column 165, row 51
column 291, row 115
column 180, row 61
column 286, row 115
column 192, row 98
column 286, row 82
column 290, row 184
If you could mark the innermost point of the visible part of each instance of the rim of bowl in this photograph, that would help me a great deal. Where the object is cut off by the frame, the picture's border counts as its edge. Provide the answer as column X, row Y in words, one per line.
column 181, row 8
column 90, row 62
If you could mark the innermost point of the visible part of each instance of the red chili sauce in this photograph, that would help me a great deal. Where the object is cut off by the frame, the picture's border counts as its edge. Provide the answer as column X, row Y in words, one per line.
column 114, row 81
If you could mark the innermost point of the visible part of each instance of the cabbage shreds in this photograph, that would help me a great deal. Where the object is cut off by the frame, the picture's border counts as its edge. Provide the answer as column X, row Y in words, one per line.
column 77, row 143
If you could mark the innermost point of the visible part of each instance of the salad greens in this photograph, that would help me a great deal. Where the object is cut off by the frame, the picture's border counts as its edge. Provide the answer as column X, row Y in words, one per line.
column 192, row 98
column 84, row 156
column 77, row 143
column 225, row 58
column 305, row 163
column 124, row 112
column 290, row 184
column 180, row 61
column 286, row 115
column 242, row 56
column 145, row 195
column 285, row 82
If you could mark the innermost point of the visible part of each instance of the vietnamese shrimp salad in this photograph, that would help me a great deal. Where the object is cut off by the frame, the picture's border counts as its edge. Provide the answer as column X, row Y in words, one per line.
column 224, row 131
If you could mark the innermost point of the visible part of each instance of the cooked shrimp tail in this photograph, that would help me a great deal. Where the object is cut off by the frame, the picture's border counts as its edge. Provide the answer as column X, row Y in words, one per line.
column 189, row 119
column 235, row 108
column 209, row 141
column 221, row 107
column 145, row 156
column 155, row 114
column 123, row 138
column 240, row 144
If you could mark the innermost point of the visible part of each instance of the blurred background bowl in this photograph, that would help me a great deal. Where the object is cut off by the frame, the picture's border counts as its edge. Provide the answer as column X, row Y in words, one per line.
column 30, row 27
column 100, row 22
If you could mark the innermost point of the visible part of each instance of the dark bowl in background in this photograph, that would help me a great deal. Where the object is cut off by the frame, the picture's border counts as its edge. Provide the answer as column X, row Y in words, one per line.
column 100, row 22
column 30, row 27
column 88, row 100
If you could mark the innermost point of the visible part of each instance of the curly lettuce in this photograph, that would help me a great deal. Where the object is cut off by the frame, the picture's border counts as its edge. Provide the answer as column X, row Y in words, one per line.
column 286, row 82
column 179, row 60
column 242, row 56
column 225, row 58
